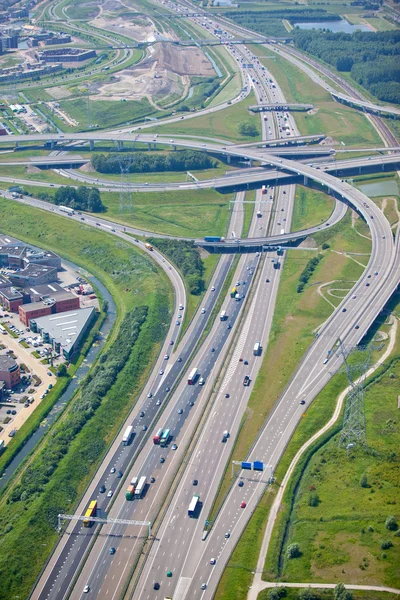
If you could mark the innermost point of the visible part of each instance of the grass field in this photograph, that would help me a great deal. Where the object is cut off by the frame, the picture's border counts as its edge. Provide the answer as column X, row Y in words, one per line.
column 310, row 208
column 339, row 122
column 340, row 538
column 134, row 281
column 221, row 124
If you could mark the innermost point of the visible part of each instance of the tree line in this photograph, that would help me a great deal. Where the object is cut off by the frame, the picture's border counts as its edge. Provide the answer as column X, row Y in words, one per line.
column 372, row 59
column 269, row 22
column 187, row 258
column 81, row 198
column 145, row 162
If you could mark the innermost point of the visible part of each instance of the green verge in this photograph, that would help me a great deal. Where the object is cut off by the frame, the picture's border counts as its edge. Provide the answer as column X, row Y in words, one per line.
column 321, row 594
column 310, row 208
column 221, row 124
column 341, row 536
column 134, row 281
column 342, row 123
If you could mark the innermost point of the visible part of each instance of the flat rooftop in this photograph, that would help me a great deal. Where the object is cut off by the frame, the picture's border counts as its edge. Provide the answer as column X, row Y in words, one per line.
column 65, row 328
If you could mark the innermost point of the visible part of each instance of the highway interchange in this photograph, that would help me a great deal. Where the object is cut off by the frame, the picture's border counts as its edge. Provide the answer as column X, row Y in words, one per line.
column 200, row 414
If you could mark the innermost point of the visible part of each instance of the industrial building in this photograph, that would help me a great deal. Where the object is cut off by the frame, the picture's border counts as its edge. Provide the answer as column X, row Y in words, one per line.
column 64, row 55
column 34, row 275
column 66, row 331
column 48, row 305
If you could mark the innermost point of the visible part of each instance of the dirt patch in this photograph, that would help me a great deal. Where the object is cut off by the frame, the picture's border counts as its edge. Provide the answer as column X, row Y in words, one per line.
column 183, row 60
column 140, row 83
column 58, row 92
column 329, row 141
column 87, row 168
column 313, row 111
column 31, row 170
column 143, row 32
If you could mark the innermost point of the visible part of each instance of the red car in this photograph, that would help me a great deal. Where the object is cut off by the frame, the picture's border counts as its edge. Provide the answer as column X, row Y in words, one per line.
column 243, row 505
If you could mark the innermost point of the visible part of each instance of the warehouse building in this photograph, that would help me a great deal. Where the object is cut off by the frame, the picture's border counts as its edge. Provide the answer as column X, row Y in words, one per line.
column 34, row 275
column 66, row 331
column 58, row 303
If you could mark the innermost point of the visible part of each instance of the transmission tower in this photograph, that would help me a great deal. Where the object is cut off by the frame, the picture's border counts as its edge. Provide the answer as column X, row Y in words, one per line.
column 354, row 427
column 125, row 192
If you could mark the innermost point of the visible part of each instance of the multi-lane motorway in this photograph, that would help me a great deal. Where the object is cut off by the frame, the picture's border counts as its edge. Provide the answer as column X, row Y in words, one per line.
column 201, row 413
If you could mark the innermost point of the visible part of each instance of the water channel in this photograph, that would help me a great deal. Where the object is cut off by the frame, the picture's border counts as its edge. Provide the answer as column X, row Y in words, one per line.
column 74, row 383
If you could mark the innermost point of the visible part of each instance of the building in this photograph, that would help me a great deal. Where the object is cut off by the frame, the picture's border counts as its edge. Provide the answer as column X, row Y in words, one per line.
column 64, row 55
column 9, row 371
column 57, row 39
column 42, row 257
column 66, row 331
column 34, row 275
column 11, row 299
column 40, row 306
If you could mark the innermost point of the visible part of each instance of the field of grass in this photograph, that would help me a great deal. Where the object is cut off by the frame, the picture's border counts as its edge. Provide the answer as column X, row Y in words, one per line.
column 310, row 208
column 340, row 538
column 221, row 124
column 295, row 319
column 134, row 281
column 321, row 594
column 339, row 122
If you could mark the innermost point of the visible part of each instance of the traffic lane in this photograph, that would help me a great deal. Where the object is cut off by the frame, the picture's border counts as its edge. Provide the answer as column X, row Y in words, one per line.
column 189, row 396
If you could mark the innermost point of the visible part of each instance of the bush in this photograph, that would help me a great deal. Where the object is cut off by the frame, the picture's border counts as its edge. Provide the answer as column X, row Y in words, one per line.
column 248, row 128
column 293, row 551
column 276, row 593
column 313, row 499
column 386, row 544
column 364, row 481
column 82, row 198
column 340, row 593
column 187, row 258
column 308, row 594
column 391, row 524
column 146, row 162
column 308, row 271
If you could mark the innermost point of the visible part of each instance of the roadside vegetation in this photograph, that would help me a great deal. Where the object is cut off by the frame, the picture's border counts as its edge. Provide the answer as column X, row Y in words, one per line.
column 269, row 22
column 148, row 162
column 143, row 299
column 186, row 257
column 310, row 208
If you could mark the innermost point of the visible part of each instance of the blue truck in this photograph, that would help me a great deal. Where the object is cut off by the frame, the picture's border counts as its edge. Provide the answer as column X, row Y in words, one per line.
column 214, row 238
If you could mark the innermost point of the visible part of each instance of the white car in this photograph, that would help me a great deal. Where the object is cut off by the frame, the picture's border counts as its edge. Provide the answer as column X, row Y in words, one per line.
column 113, row 470
column 166, row 357
column 161, row 372
column 213, row 289
column 212, row 561
column 109, row 494
column 203, row 310
column 86, row 589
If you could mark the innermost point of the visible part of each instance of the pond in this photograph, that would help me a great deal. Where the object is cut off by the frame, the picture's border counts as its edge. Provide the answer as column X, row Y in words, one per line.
column 382, row 188
column 341, row 26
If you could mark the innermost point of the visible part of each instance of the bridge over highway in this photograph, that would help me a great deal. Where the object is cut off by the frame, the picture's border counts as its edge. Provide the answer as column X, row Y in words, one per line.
column 279, row 106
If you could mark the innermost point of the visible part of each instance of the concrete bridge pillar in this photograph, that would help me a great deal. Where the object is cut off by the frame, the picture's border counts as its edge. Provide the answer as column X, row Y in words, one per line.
column 251, row 162
column 305, row 182
column 52, row 144
column 228, row 159
column 120, row 145
column 149, row 145
column 174, row 148
column 91, row 145
column 16, row 144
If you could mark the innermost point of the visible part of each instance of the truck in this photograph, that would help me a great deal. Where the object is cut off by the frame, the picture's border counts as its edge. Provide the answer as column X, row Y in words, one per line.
column 66, row 209
column 277, row 264
column 130, row 492
column 259, row 214
column 225, row 436
column 90, row 512
column 233, row 292
column 223, row 316
column 192, row 376
column 264, row 189
column 214, row 238
column 237, row 297
column 257, row 349
column 149, row 247
column 139, row 489
column 126, row 440
column 193, row 505
column 157, row 437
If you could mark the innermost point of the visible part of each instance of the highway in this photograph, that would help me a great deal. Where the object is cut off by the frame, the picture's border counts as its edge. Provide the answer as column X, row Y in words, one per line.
column 179, row 546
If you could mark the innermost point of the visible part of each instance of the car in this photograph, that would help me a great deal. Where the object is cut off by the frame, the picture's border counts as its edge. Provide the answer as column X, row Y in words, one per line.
column 191, row 403
column 246, row 381
column 354, row 297
column 180, row 411
column 237, row 283
column 181, row 307
column 149, row 395
column 240, row 484
column 169, row 573
column 166, row 356
column 152, row 479
column 174, row 447
column 162, row 459
column 245, row 362
column 144, row 428
column 212, row 561
column 171, row 343
column 302, row 401
column 376, row 273
column 203, row 586
column 167, row 389
column 119, row 474
column 156, row 585
column 110, row 493
column 213, row 289
column 240, row 359
column 102, row 489
column 344, row 309
column 86, row 589
column 243, row 505
column 267, row 281
column 356, row 327
column 179, row 316
column 177, row 323
column 203, row 310
column 13, row 412
column 158, row 402
column 195, row 482
column 112, row 550
column 113, row 469
column 227, row 534
column 243, row 282
column 161, row 372
column 226, row 395
column 369, row 277
column 141, row 414
column 367, row 284
column 229, row 326
column 180, row 359
column 212, row 349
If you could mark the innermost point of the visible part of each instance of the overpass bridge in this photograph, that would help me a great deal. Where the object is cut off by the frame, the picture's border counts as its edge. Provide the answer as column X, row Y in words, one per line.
column 279, row 106
column 376, row 109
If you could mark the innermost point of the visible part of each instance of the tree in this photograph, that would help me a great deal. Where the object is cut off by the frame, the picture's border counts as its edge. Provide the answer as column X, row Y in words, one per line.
column 364, row 481
column 391, row 524
column 62, row 370
column 94, row 203
column 248, row 128
column 313, row 500
column 340, row 593
column 276, row 593
column 293, row 551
